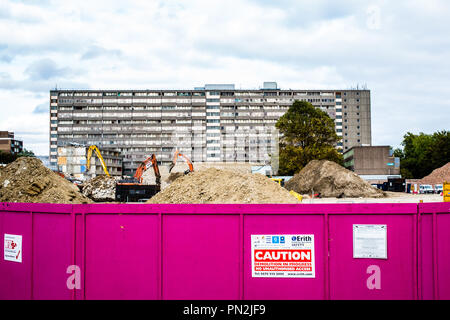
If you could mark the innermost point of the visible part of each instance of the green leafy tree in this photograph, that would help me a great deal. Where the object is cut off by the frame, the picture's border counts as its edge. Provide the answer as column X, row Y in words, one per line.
column 307, row 133
column 423, row 153
column 6, row 157
column 26, row 153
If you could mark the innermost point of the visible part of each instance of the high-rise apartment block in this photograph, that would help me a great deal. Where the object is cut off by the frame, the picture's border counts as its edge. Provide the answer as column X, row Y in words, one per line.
column 212, row 123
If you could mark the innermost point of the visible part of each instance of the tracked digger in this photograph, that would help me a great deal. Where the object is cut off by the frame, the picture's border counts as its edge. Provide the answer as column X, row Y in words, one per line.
column 133, row 190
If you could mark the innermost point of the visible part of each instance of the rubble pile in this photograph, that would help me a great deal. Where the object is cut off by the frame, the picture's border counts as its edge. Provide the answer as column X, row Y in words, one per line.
column 331, row 180
column 221, row 186
column 438, row 176
column 100, row 188
column 28, row 180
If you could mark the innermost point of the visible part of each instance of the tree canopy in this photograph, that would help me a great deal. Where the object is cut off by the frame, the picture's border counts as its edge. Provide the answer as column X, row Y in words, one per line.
column 6, row 157
column 423, row 153
column 307, row 133
column 26, row 153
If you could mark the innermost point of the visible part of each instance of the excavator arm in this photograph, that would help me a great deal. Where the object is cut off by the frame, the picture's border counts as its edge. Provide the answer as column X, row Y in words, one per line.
column 150, row 161
column 186, row 159
column 99, row 156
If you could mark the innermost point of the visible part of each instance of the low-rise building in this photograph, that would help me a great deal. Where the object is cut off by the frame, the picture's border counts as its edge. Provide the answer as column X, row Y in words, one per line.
column 373, row 163
column 72, row 161
column 9, row 144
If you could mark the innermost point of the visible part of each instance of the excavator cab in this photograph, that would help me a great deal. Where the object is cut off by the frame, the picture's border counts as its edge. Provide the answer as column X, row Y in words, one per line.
column 186, row 159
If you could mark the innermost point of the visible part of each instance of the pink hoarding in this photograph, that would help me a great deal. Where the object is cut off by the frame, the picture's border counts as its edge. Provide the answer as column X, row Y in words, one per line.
column 117, row 251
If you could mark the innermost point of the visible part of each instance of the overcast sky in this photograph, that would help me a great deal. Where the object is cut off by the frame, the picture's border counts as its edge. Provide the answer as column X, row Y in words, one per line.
column 399, row 49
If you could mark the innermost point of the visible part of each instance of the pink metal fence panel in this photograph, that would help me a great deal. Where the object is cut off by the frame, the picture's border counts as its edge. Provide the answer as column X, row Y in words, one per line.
column 52, row 254
column 16, row 278
column 284, row 288
column 46, row 251
column 349, row 276
column 434, row 250
column 204, row 251
column 201, row 256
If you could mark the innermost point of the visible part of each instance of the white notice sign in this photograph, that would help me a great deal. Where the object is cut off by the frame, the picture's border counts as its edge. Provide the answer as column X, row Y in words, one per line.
column 370, row 241
column 283, row 256
column 13, row 248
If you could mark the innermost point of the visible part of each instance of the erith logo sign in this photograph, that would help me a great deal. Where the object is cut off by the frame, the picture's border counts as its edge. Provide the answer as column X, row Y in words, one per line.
column 283, row 256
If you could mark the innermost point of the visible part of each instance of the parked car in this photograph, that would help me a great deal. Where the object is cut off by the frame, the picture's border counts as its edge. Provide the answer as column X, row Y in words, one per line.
column 438, row 188
column 426, row 188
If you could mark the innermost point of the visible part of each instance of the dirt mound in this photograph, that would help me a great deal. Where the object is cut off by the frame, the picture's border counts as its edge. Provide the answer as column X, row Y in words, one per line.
column 221, row 186
column 100, row 188
column 331, row 180
column 28, row 180
column 174, row 176
column 438, row 176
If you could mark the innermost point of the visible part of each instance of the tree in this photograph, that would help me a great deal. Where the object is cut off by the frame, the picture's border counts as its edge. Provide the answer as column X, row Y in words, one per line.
column 423, row 153
column 307, row 133
column 6, row 157
column 26, row 153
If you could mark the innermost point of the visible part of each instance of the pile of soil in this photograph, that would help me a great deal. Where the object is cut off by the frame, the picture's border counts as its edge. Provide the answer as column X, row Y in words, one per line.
column 100, row 188
column 221, row 186
column 331, row 180
column 438, row 176
column 28, row 180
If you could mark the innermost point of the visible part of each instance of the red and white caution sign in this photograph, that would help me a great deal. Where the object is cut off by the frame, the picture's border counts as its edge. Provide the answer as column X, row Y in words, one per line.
column 13, row 248
column 283, row 256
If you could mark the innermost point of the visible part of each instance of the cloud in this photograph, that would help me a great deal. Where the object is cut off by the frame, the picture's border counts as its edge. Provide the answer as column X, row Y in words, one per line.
column 45, row 69
column 42, row 108
column 400, row 49
column 96, row 51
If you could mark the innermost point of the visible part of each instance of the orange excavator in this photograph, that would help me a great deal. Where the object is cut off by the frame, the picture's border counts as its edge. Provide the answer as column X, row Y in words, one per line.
column 147, row 163
column 186, row 159
column 133, row 190
column 150, row 161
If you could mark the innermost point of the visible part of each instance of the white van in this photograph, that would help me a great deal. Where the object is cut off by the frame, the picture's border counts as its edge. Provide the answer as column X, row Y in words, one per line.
column 426, row 188
column 438, row 188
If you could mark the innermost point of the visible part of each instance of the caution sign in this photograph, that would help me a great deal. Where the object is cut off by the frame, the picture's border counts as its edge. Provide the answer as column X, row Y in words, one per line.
column 283, row 256
column 13, row 248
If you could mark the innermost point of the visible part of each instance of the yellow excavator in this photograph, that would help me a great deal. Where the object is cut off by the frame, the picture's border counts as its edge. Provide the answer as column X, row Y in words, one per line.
column 95, row 149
